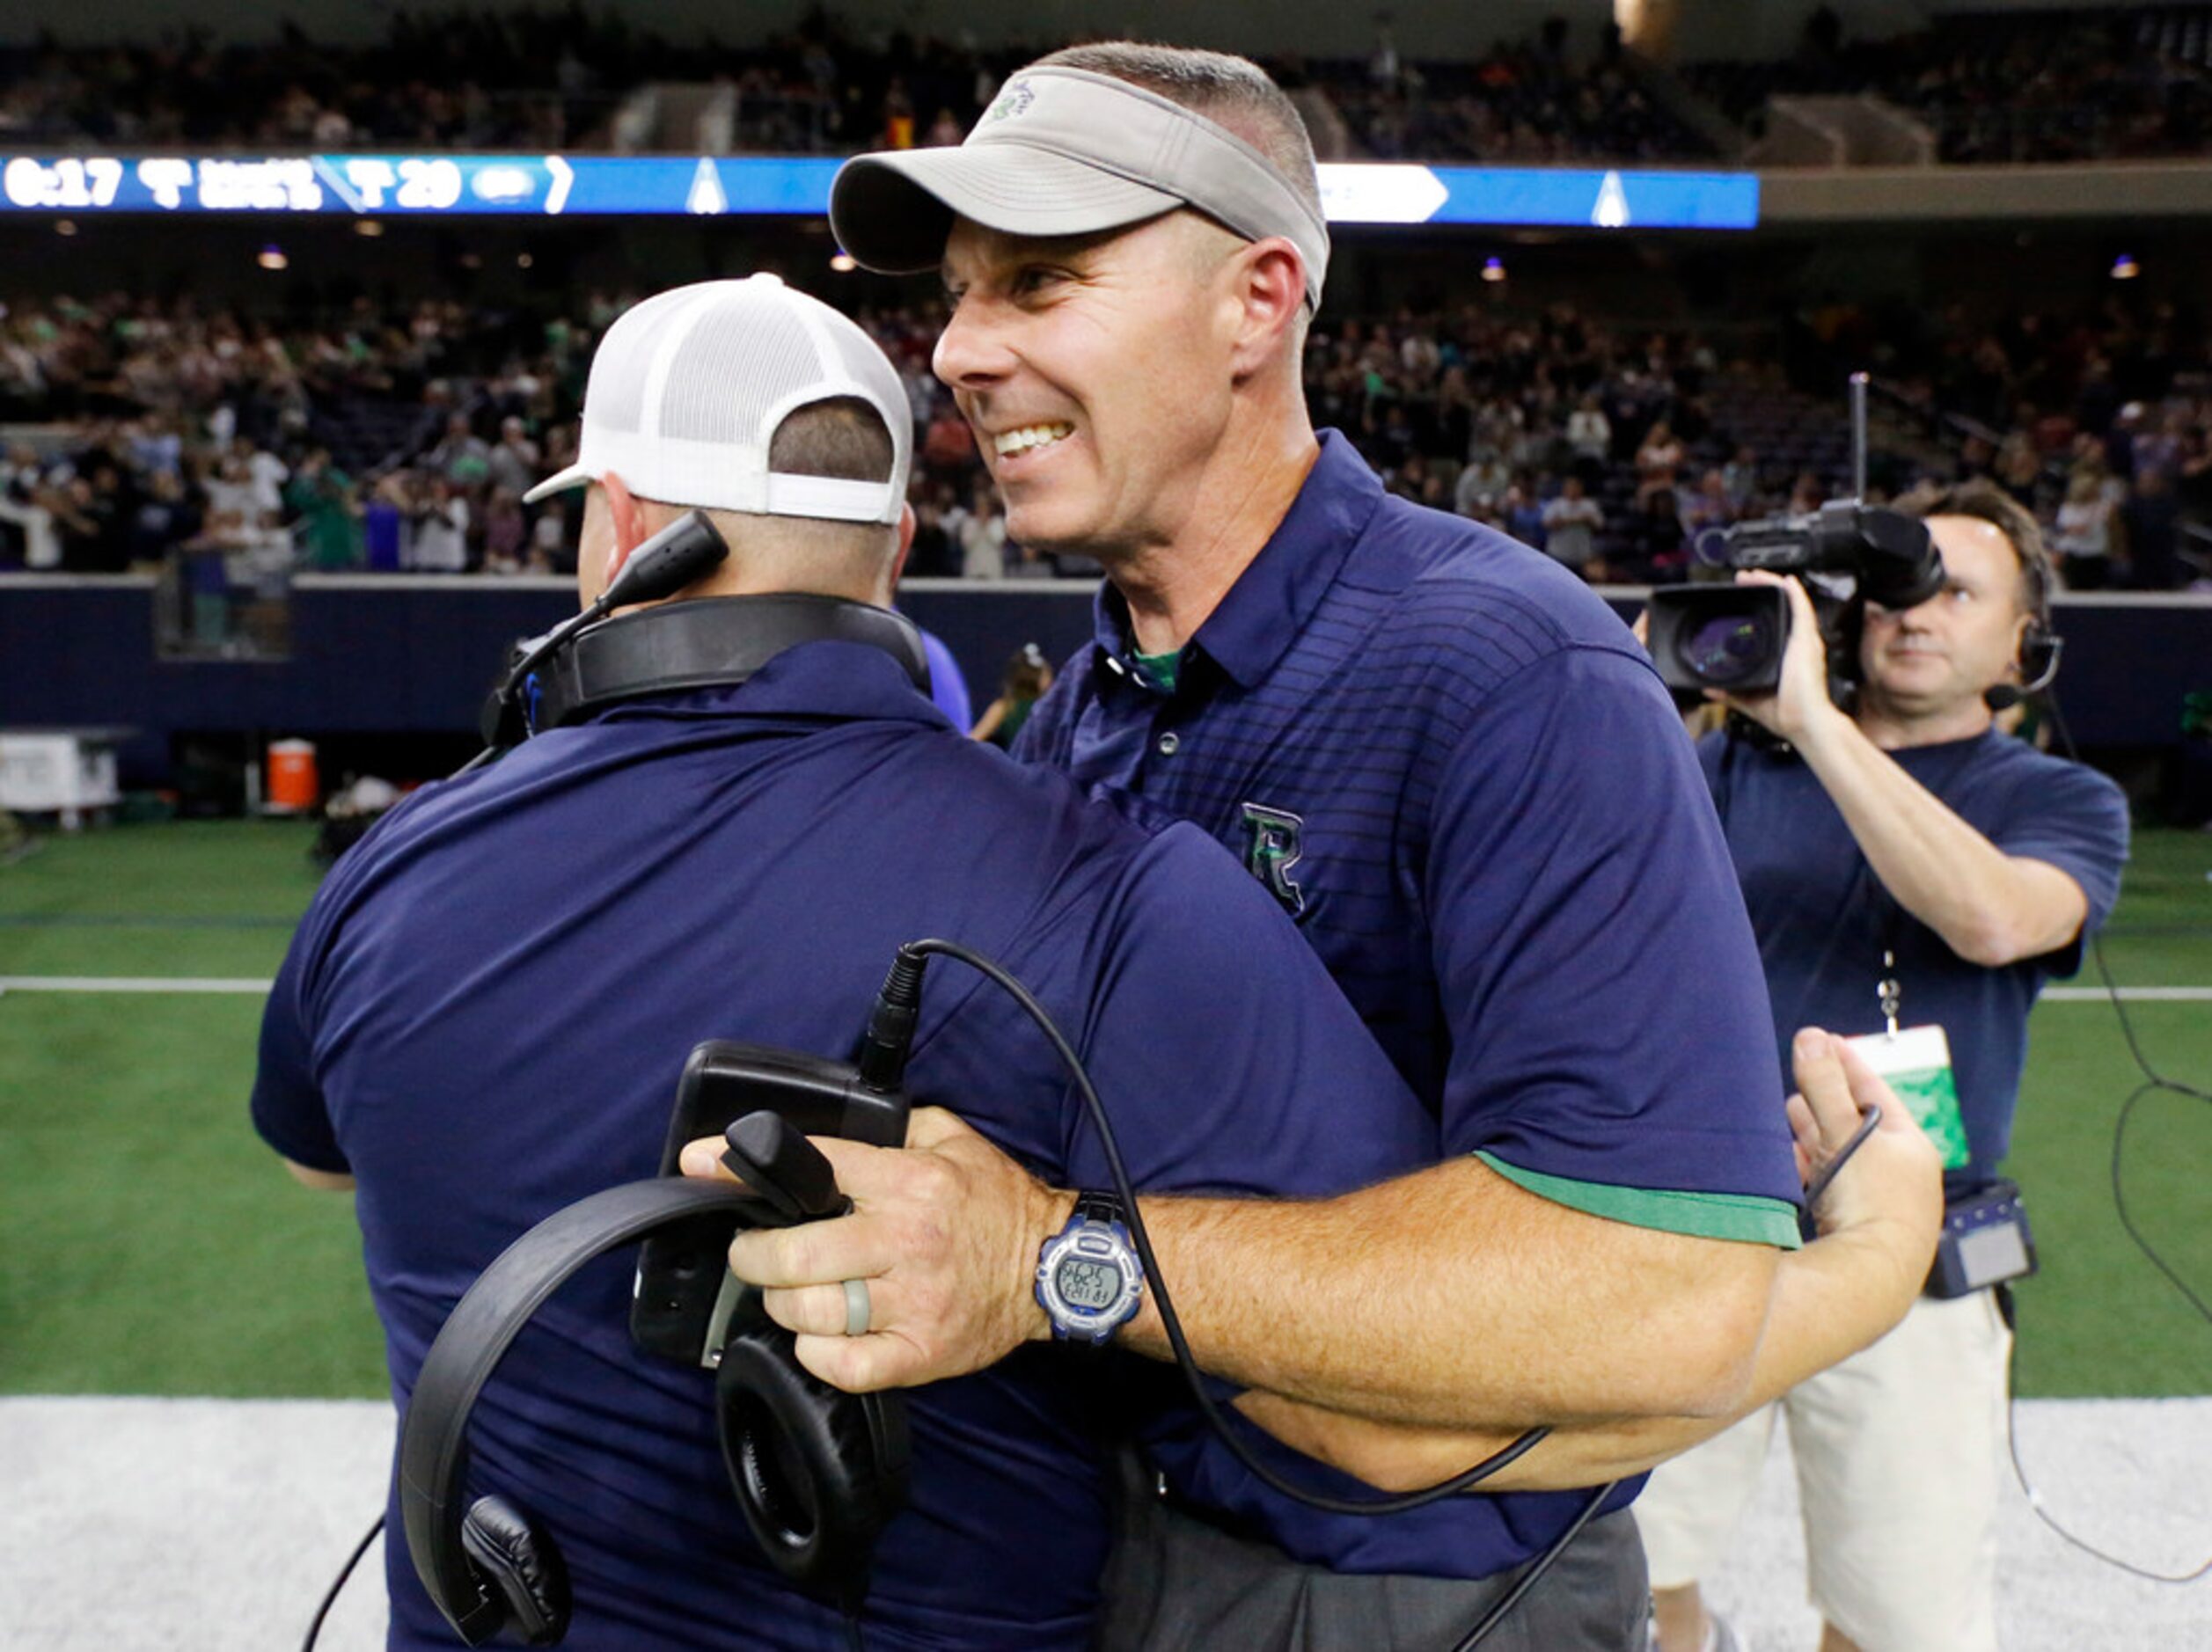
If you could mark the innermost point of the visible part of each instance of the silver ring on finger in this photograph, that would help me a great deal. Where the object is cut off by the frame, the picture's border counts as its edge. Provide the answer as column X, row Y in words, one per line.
column 856, row 1307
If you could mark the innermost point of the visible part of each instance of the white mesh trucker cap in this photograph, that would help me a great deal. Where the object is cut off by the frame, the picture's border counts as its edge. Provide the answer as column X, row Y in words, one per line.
column 688, row 387
column 1064, row 152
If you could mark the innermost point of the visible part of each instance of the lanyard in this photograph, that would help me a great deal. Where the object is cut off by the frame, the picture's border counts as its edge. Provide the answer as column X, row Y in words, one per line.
column 1889, row 992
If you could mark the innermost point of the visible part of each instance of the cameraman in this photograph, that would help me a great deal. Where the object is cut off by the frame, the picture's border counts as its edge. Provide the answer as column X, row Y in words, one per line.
column 1909, row 830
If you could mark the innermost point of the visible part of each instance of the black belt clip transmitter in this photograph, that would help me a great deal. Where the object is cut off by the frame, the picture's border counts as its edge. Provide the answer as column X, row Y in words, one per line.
column 684, row 1303
column 817, row 1472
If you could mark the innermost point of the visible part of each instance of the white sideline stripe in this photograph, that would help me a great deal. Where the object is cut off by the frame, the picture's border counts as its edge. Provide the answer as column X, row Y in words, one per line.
column 244, row 984
column 239, row 1511
column 133, row 983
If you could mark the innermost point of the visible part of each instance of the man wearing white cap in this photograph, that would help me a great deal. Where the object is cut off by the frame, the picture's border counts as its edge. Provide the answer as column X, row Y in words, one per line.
column 1450, row 764
column 484, row 1015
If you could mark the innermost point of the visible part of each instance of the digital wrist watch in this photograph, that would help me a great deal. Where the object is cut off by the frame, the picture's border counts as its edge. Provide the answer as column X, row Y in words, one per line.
column 1088, row 1279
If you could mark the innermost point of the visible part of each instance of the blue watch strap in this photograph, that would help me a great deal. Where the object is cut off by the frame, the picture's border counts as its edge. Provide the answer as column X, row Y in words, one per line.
column 1101, row 1207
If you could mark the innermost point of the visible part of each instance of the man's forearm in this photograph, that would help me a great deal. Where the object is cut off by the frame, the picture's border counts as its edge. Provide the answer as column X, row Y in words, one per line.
column 1990, row 908
column 1879, row 1218
column 1455, row 1298
column 1831, row 1299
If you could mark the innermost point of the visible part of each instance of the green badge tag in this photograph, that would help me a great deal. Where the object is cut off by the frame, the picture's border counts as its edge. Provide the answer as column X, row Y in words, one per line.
column 1916, row 1062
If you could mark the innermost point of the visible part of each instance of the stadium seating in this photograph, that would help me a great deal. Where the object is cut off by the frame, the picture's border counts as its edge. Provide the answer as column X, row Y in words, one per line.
column 2051, row 85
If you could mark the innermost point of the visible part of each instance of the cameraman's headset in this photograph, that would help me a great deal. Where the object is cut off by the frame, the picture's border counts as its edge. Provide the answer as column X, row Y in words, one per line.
column 2039, row 646
column 816, row 1472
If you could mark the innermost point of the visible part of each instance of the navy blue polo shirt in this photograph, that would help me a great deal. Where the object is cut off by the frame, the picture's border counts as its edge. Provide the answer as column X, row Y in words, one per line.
column 1452, row 766
column 485, row 1012
column 1824, row 920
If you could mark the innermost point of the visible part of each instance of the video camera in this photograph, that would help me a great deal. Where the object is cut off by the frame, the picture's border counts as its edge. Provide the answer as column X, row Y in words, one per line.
column 1727, row 636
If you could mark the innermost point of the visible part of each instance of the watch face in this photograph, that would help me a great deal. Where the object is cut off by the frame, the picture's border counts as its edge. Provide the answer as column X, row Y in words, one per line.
column 1089, row 1285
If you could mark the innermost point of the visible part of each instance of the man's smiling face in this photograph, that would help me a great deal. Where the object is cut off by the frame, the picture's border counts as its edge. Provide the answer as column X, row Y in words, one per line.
column 1096, row 374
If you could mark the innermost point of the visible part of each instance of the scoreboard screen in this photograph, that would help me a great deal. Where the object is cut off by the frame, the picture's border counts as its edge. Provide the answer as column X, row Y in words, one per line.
column 544, row 186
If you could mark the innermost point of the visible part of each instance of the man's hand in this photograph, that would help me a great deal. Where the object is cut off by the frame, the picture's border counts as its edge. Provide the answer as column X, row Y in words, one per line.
column 1800, row 701
column 945, row 1230
column 1892, row 1188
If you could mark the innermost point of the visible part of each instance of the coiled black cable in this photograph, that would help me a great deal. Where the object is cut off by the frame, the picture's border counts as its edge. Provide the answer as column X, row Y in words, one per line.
column 906, row 978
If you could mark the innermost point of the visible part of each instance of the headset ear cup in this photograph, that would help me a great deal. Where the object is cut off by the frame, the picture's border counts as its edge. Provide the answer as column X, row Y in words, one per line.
column 2039, row 656
column 525, row 1567
column 816, row 1470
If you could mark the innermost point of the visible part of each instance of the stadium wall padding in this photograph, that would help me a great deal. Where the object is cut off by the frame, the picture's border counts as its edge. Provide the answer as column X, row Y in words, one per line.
column 414, row 655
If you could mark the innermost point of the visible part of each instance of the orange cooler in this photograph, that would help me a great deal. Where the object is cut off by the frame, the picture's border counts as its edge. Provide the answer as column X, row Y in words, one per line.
column 295, row 788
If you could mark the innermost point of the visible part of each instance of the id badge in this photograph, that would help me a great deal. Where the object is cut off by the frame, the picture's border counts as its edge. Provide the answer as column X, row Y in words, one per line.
column 1916, row 1062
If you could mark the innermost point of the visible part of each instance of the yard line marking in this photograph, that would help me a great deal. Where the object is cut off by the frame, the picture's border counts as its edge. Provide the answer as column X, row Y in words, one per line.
column 133, row 983
column 2131, row 994
column 133, row 920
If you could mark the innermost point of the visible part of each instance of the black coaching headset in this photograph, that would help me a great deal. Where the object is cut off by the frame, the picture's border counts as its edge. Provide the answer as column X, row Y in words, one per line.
column 590, row 661
column 816, row 1472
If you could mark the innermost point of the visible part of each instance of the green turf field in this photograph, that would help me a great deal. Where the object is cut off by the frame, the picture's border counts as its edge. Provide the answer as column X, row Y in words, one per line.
column 150, row 1244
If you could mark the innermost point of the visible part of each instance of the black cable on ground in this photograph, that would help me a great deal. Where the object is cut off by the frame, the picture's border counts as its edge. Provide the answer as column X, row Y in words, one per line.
column 339, row 1583
column 2153, row 1081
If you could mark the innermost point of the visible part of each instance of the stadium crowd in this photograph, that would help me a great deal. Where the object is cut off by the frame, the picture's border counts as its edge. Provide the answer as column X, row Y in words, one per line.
column 549, row 79
column 2060, row 86
column 2104, row 84
column 405, row 441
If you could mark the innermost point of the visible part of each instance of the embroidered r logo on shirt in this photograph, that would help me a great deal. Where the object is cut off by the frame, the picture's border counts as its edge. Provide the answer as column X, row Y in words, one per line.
column 1274, row 841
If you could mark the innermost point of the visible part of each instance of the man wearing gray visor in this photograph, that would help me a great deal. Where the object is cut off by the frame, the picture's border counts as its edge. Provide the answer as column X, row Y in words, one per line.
column 1458, row 775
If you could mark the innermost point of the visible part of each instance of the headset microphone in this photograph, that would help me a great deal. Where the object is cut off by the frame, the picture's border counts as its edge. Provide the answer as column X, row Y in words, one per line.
column 2038, row 655
column 684, row 552
column 687, row 549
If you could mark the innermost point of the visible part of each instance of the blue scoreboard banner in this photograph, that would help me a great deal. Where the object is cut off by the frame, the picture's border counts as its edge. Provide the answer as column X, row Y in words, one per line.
column 543, row 186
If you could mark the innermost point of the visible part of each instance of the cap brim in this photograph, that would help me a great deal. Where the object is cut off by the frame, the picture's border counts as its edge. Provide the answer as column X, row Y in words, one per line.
column 892, row 212
column 574, row 475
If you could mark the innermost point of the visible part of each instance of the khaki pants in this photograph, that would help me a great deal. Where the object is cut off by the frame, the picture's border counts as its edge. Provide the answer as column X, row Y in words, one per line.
column 1899, row 1452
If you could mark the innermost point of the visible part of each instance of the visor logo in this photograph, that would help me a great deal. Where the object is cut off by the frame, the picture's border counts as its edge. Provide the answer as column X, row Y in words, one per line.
column 1016, row 99
column 1274, row 842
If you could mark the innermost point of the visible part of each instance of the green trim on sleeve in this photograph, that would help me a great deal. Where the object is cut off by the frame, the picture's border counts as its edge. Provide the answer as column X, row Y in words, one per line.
column 1744, row 1217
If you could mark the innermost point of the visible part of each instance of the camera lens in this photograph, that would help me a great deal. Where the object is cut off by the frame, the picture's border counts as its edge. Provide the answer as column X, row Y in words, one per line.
column 1727, row 648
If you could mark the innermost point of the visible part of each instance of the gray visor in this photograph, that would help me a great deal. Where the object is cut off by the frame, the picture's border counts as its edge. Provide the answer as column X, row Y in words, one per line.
column 1064, row 151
